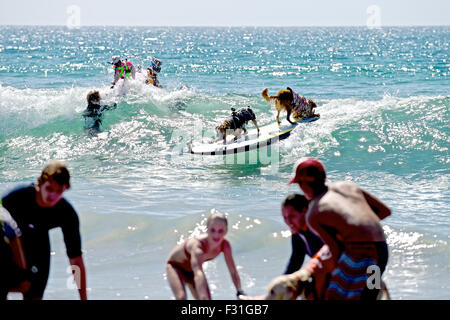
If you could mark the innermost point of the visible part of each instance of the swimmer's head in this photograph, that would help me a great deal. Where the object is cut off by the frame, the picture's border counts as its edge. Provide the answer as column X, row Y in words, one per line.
column 294, row 209
column 298, row 201
column 217, row 225
column 92, row 96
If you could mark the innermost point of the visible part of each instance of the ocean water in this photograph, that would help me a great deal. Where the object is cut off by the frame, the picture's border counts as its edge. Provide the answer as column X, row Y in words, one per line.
column 384, row 101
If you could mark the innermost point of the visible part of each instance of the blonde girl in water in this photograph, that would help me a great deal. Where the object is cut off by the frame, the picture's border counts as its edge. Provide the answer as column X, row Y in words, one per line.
column 184, row 265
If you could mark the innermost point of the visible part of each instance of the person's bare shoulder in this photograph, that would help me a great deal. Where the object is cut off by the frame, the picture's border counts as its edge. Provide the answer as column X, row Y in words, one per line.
column 345, row 189
column 226, row 245
column 343, row 185
column 193, row 244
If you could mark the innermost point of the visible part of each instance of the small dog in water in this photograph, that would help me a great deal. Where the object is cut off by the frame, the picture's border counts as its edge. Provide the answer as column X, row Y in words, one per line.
column 235, row 124
column 291, row 102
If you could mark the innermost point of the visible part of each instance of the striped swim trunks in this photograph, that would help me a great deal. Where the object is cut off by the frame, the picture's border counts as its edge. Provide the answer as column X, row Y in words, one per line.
column 349, row 279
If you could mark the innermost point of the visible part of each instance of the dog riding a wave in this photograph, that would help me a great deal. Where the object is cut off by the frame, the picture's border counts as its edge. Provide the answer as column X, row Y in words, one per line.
column 235, row 124
column 292, row 103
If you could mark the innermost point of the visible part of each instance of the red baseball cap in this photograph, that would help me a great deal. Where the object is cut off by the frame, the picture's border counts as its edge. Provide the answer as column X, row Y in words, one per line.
column 309, row 170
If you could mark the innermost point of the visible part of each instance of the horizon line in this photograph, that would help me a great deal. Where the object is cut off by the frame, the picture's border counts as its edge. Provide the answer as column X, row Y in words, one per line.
column 219, row 26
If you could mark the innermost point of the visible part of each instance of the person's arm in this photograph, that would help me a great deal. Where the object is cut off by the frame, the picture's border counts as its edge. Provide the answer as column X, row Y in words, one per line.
column 316, row 223
column 70, row 226
column 116, row 78
column 108, row 107
column 297, row 255
column 380, row 209
column 18, row 255
column 232, row 267
column 20, row 261
column 79, row 273
column 201, row 285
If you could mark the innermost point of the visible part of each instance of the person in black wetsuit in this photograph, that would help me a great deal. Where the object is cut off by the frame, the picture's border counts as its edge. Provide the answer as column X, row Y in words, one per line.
column 304, row 242
column 94, row 112
column 37, row 209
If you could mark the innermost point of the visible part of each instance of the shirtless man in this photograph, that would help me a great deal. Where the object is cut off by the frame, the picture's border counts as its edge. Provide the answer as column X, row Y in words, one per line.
column 347, row 218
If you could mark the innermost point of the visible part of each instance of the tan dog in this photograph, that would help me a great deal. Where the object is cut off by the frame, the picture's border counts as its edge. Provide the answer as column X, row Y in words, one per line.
column 298, row 285
column 284, row 101
column 289, row 286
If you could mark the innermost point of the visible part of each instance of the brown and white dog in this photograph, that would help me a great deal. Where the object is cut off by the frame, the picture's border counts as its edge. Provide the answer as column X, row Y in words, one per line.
column 235, row 124
column 292, row 103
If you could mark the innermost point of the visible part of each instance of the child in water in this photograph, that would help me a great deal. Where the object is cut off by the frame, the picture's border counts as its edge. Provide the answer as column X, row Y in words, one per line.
column 94, row 111
column 184, row 265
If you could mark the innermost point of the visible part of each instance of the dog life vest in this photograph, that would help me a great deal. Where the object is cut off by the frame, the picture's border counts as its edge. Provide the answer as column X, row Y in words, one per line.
column 153, row 78
column 241, row 116
column 300, row 105
column 125, row 67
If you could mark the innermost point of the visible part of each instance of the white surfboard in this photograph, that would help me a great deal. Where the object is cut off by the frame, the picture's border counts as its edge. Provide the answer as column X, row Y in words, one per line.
column 268, row 135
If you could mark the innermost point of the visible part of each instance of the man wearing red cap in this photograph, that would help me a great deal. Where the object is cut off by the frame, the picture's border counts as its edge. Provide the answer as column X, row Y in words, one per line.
column 347, row 218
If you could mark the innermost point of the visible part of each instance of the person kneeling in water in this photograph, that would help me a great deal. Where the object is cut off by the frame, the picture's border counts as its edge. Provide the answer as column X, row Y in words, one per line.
column 94, row 111
column 184, row 265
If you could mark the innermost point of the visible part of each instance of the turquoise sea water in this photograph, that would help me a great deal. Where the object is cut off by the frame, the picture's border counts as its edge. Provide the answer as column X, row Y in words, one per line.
column 384, row 101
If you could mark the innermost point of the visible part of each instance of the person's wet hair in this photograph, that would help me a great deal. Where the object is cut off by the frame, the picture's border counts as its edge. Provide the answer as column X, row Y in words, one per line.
column 93, row 95
column 216, row 216
column 297, row 201
column 57, row 171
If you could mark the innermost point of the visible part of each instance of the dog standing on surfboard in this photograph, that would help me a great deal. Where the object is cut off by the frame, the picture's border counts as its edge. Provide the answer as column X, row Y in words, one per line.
column 292, row 103
column 235, row 124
